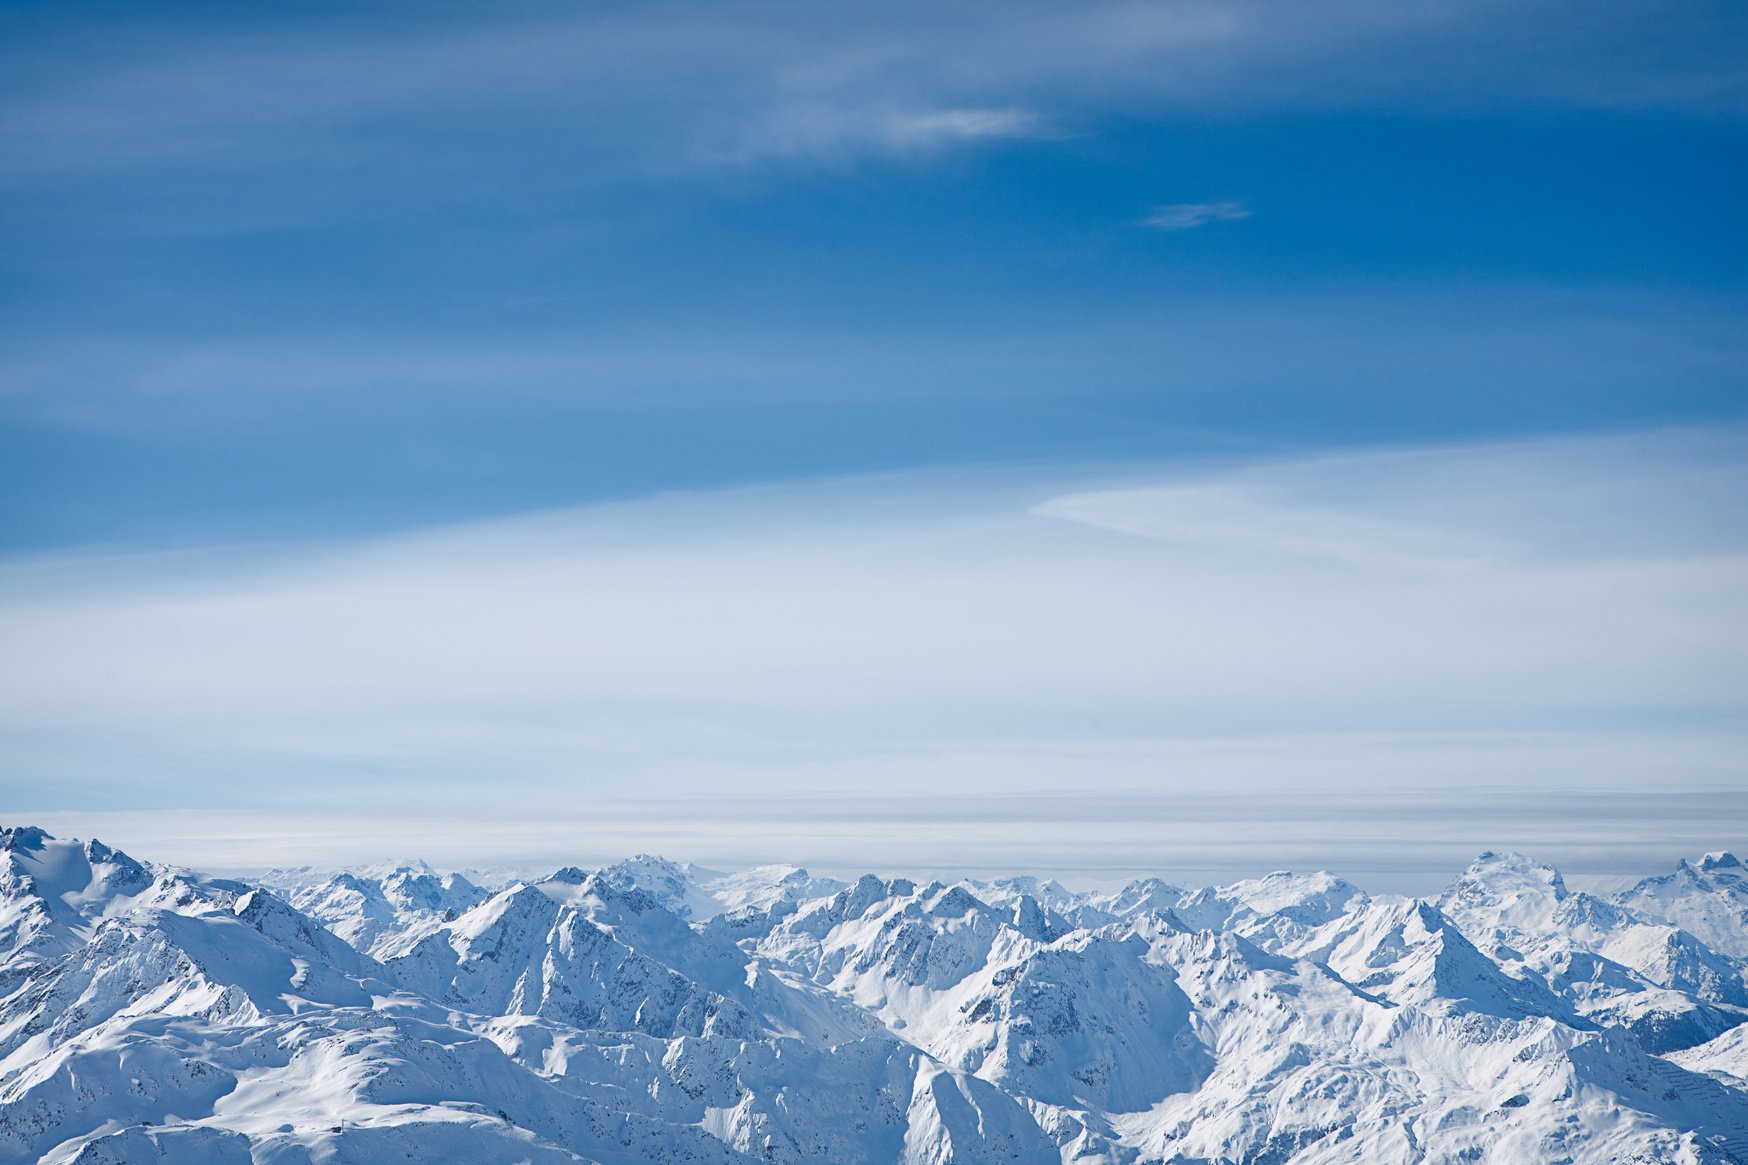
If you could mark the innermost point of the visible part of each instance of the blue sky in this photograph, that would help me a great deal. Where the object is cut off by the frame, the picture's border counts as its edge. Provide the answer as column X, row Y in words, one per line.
column 304, row 304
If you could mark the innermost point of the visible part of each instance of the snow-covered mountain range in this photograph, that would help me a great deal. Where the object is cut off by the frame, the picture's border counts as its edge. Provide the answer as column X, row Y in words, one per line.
column 654, row 1012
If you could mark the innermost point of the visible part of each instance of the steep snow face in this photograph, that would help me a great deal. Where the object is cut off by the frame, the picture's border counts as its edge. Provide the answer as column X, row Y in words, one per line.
column 656, row 1012
column 1707, row 899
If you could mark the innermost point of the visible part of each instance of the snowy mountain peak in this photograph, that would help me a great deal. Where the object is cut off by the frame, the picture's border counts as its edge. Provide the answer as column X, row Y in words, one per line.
column 383, row 870
column 1004, row 892
column 1037, row 922
column 1708, row 900
column 1310, row 898
column 1409, row 952
column 411, row 892
column 570, row 875
column 381, row 916
column 1505, row 894
column 645, row 869
column 24, row 838
column 952, row 902
column 1515, row 869
column 53, row 892
column 1143, row 894
column 767, row 886
column 1276, row 909
column 700, row 894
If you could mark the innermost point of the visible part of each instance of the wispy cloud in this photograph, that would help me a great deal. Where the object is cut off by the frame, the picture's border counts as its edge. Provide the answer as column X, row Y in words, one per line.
column 1476, row 342
column 948, row 125
column 1183, row 216
column 827, row 132
column 659, row 86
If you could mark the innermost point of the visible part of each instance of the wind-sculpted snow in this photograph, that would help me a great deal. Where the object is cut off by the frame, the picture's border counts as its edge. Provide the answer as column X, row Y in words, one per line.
column 658, row 1012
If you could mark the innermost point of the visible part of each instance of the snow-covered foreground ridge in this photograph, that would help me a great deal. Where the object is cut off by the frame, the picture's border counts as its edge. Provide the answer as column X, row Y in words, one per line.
column 650, row 1012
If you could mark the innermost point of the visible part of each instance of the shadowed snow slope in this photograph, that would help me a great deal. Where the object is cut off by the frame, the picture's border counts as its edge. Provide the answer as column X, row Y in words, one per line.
column 655, row 1012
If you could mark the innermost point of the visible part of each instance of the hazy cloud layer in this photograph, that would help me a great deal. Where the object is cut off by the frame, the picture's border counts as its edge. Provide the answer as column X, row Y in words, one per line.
column 1397, row 841
column 1545, row 615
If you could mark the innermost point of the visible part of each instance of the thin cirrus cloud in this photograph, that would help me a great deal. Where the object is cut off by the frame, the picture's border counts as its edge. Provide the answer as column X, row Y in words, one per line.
column 824, row 131
column 1551, row 615
column 1184, row 216
column 642, row 87
column 947, row 125
column 1459, row 341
